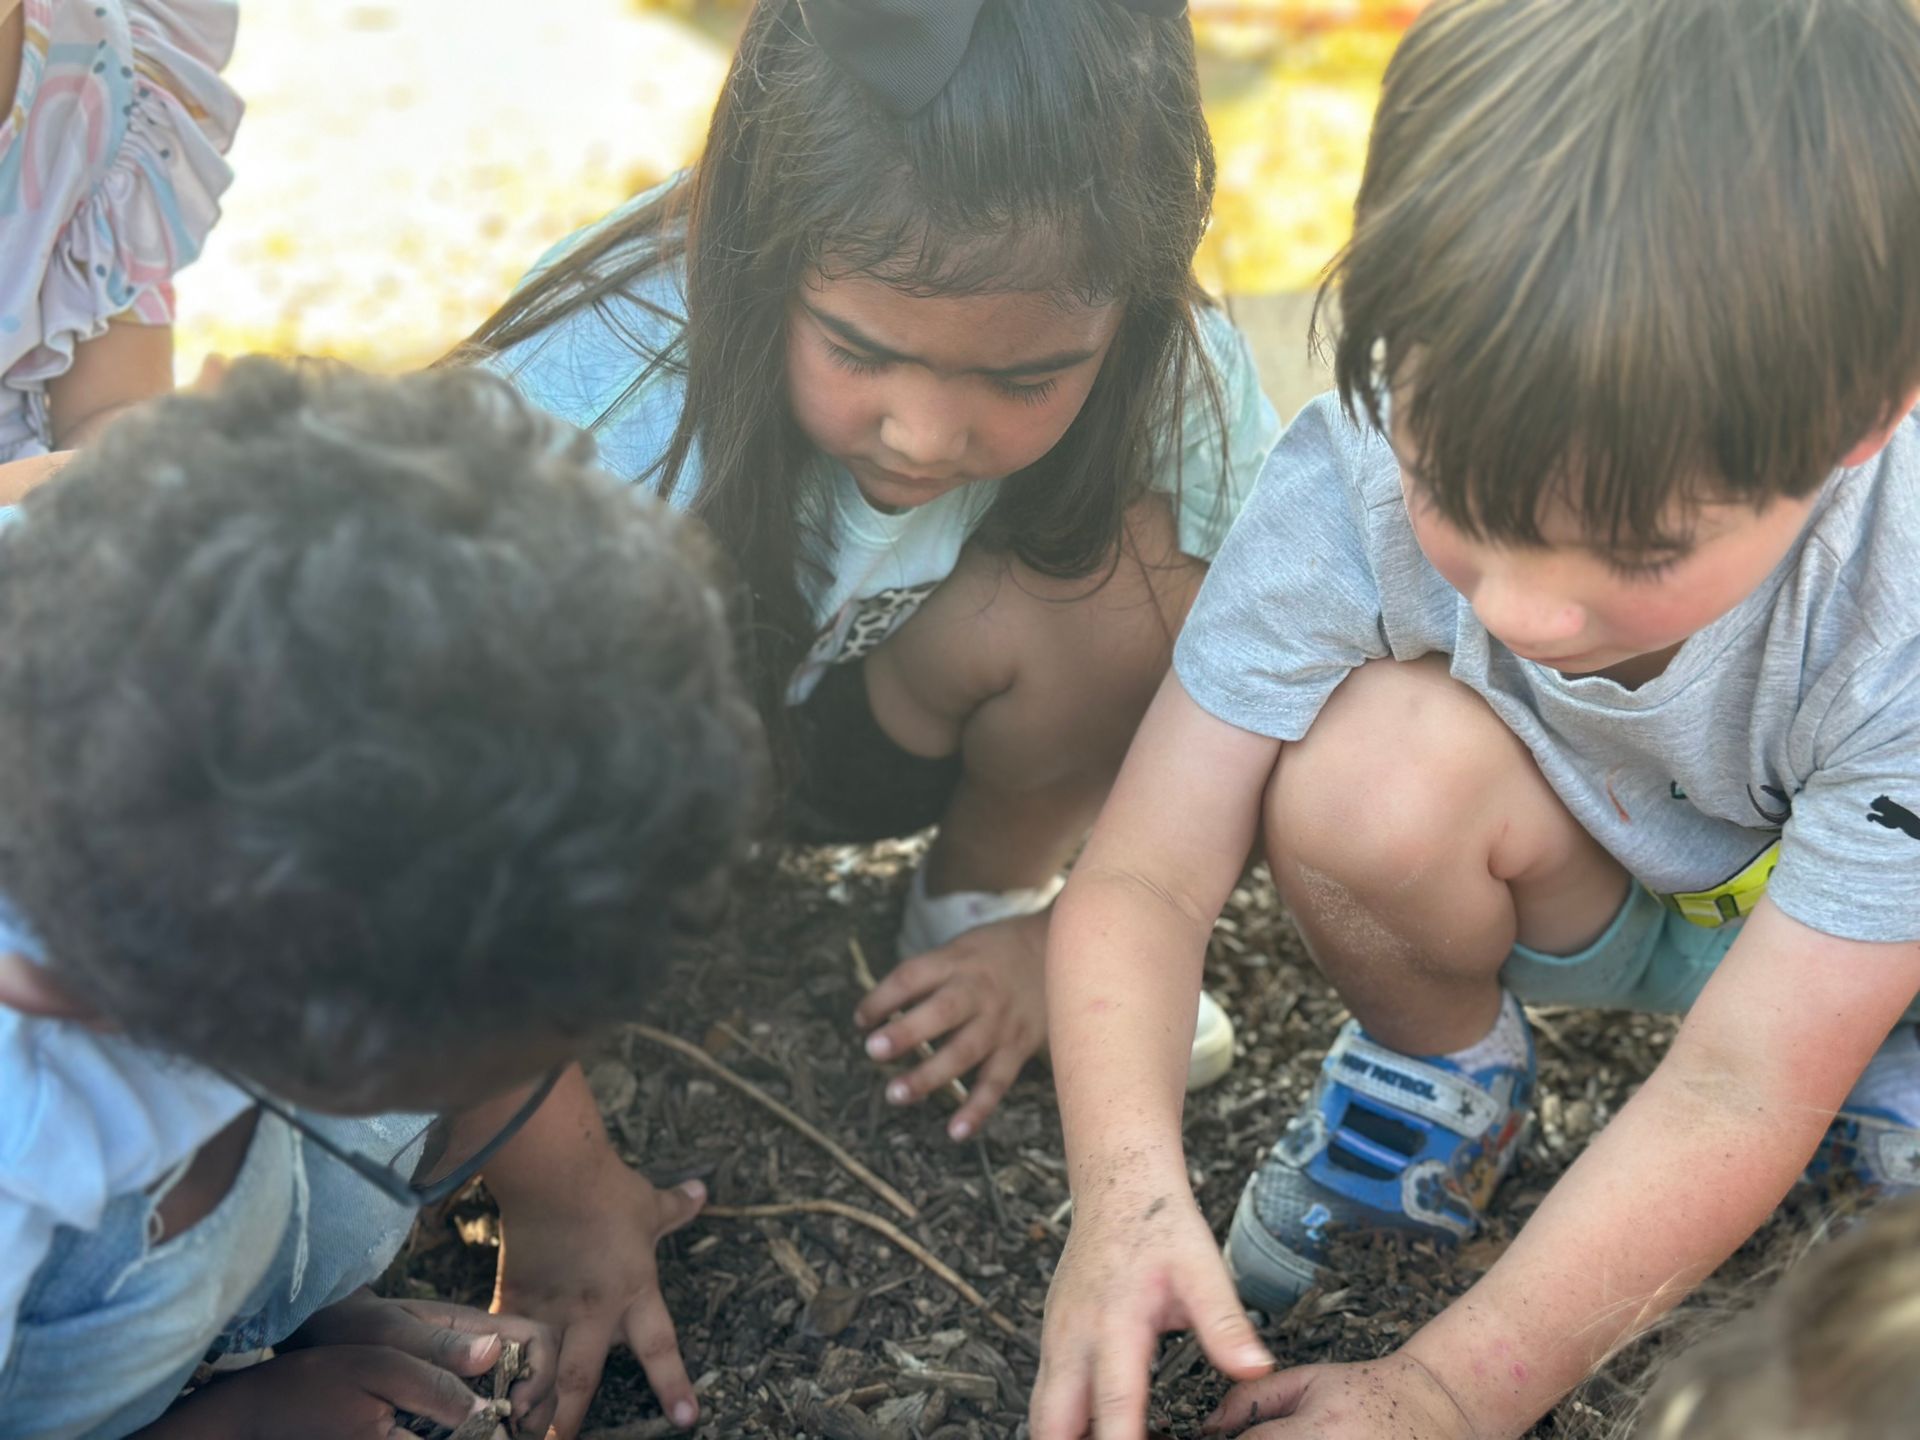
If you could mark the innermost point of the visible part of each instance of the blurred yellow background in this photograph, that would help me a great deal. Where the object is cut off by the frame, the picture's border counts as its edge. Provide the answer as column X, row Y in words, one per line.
column 403, row 161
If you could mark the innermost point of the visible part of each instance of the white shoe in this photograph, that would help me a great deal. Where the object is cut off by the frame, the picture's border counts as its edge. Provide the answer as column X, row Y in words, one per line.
column 1212, row 1045
column 932, row 921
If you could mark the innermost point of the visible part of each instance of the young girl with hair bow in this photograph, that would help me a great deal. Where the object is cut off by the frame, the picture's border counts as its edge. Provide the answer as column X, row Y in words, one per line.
column 918, row 337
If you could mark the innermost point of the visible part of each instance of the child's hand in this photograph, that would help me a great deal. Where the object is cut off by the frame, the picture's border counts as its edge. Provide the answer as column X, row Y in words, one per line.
column 586, row 1266
column 456, row 1338
column 1130, row 1272
column 1396, row 1398
column 333, row 1392
column 17, row 477
column 988, row 991
column 213, row 374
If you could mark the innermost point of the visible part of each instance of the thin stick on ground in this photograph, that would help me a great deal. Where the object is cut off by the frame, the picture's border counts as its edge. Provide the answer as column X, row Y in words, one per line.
column 954, row 1090
column 993, row 1183
column 880, row 1225
column 713, row 1067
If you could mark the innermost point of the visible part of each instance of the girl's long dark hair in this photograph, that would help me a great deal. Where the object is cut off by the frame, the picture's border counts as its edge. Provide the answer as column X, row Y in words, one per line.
column 1068, row 155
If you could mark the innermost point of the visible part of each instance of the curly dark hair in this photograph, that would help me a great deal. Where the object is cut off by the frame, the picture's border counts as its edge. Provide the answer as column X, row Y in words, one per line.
column 346, row 718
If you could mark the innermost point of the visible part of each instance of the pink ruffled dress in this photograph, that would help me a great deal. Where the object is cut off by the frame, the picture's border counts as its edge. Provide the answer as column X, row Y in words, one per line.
column 110, row 178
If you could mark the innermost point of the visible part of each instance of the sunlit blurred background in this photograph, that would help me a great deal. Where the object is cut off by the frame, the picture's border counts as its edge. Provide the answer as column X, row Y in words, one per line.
column 403, row 161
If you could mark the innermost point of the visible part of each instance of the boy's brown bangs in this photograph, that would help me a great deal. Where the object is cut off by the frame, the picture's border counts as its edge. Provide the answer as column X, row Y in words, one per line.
column 1632, row 256
column 1601, row 426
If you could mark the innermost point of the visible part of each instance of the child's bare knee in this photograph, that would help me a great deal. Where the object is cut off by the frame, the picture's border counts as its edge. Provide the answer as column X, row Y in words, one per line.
column 1393, row 771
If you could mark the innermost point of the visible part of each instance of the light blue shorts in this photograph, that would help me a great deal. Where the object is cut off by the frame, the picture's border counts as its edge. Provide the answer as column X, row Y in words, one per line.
column 1650, row 958
column 112, row 1325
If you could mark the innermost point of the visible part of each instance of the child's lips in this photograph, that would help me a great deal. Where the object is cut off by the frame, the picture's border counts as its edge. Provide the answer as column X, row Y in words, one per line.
column 898, row 489
column 915, row 482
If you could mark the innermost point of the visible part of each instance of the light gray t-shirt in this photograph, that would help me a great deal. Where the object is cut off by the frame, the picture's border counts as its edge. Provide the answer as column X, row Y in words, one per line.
column 1779, row 752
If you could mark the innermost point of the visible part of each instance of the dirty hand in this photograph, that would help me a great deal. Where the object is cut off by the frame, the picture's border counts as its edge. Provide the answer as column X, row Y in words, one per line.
column 1134, row 1268
column 987, row 991
column 330, row 1392
column 1396, row 1398
column 456, row 1338
column 585, row 1265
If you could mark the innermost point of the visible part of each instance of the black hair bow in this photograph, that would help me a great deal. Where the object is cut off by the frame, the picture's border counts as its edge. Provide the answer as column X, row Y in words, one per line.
column 906, row 51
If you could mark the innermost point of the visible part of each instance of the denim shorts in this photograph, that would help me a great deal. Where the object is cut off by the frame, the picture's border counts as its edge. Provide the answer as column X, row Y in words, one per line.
column 112, row 1325
column 1649, row 958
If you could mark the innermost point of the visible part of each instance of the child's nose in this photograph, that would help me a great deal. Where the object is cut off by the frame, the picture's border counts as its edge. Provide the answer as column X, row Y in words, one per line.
column 1528, row 619
column 923, row 432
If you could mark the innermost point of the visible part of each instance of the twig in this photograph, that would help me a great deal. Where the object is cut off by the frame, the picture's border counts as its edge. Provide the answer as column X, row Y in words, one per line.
column 1543, row 1022
column 863, row 972
column 993, row 1184
column 752, row 1049
column 880, row 1225
column 1177, row 1361
column 813, row 1132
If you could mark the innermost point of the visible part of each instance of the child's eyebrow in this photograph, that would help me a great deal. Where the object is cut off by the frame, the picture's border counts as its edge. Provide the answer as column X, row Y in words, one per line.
column 1658, row 551
column 854, row 335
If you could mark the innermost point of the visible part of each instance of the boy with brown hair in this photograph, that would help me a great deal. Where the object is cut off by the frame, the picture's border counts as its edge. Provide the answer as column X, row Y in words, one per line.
column 1577, row 661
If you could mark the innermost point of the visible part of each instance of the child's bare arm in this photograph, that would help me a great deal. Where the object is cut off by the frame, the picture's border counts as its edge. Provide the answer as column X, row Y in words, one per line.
column 1123, row 980
column 19, row 476
column 128, row 364
column 1682, row 1177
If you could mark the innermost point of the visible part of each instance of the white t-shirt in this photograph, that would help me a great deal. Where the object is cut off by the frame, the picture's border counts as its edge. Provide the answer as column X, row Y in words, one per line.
column 85, row 1116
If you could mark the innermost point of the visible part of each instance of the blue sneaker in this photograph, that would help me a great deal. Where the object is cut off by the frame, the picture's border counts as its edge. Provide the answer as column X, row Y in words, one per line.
column 1388, row 1142
column 1873, row 1138
column 1879, row 1149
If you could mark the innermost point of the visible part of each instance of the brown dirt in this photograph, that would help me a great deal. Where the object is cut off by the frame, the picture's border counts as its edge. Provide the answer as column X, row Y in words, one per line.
column 810, row 1326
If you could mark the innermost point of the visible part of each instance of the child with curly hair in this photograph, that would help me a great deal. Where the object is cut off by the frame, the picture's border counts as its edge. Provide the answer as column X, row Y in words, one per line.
column 361, row 747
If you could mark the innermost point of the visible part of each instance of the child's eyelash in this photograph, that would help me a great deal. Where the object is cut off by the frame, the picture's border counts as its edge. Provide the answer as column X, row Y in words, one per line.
column 1027, row 393
column 848, row 360
column 1645, row 571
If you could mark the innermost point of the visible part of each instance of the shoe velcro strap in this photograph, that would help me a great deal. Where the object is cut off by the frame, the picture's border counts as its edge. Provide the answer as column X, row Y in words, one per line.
column 1895, row 1149
column 1403, row 1083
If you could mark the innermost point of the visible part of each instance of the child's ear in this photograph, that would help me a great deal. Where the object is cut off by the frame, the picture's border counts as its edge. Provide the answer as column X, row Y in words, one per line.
column 1873, row 444
column 33, row 990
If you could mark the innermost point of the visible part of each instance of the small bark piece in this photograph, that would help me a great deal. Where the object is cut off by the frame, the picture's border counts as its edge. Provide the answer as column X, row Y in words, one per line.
column 485, row 1425
column 795, row 1266
column 512, row 1366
